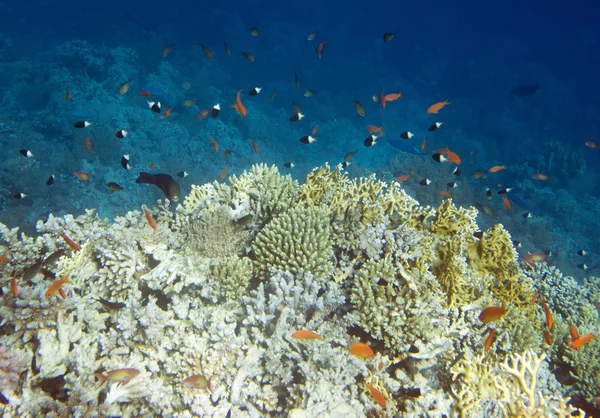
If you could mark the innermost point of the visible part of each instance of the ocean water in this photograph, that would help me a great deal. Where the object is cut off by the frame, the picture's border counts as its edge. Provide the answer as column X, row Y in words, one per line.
column 474, row 54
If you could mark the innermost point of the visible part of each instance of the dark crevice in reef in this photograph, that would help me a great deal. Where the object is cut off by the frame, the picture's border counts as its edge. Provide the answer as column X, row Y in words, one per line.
column 55, row 388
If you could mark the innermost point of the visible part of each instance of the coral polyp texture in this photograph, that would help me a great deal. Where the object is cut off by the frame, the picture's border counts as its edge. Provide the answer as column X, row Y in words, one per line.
column 246, row 299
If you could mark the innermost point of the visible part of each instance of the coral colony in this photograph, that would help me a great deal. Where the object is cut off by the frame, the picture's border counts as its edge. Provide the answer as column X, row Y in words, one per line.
column 261, row 296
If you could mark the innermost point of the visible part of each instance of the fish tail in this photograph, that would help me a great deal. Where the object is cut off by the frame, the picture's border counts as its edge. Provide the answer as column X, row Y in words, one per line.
column 101, row 378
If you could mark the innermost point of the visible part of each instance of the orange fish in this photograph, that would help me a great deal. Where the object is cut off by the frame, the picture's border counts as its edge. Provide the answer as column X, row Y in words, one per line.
column 374, row 129
column 62, row 293
column 382, row 99
column 82, row 175
column 435, row 108
column 535, row 296
column 238, row 106
column 489, row 340
column 496, row 168
column 452, row 156
column 424, row 143
column 254, row 146
column 145, row 93
column 392, row 97
column 203, row 114
column 152, row 166
column 214, row 144
column 55, row 286
column 167, row 113
column 573, row 332
column 70, row 242
column 197, row 381
column 549, row 320
column 13, row 285
column 224, row 172
column 491, row 314
column 445, row 193
column 315, row 129
column 305, row 335
column 207, row 51
column 68, row 95
column 531, row 259
column 150, row 219
column 361, row 350
column 88, row 144
column 579, row 342
column 541, row 177
column 123, row 376
column 377, row 395
column 507, row 204
column 548, row 338
column 402, row 178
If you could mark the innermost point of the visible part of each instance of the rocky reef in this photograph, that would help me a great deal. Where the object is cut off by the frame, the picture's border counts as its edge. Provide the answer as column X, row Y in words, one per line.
column 221, row 285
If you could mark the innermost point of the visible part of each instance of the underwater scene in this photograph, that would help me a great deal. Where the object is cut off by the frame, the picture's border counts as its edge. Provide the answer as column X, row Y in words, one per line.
column 299, row 209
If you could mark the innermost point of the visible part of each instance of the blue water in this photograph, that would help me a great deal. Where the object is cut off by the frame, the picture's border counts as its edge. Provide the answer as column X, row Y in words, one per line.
column 470, row 52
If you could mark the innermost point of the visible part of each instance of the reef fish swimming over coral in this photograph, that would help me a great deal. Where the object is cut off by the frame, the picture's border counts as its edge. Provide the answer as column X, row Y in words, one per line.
column 164, row 182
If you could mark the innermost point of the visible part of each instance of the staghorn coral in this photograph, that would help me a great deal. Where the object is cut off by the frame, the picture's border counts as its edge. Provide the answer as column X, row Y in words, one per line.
column 297, row 239
column 233, row 275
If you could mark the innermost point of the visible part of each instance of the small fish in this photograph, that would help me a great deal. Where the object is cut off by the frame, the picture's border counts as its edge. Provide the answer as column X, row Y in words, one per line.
column 320, row 49
column 507, row 204
column 377, row 395
column 296, row 108
column 307, row 139
column 254, row 146
column 452, row 185
column 150, row 219
column 311, row 36
column 526, row 215
column 541, row 177
column 583, row 267
column 505, row 190
column 440, row 158
column 203, row 114
column 88, row 144
column 547, row 337
column 145, row 93
column 182, row 174
column 124, row 88
column 227, row 153
column 239, row 106
column 315, row 130
column 456, row 171
column 227, row 50
column 26, row 153
column 13, row 285
column 167, row 113
column 19, row 195
column 579, row 342
column 50, row 180
column 68, row 95
column 592, row 145
column 190, row 102
column 304, row 335
column 215, row 110
column 359, row 107
column 254, row 31
column 70, row 242
column 125, row 162
column 370, row 140
column 479, row 174
column 296, row 80
column 245, row 220
column 273, row 94
column 489, row 340
column 215, row 145
column 111, row 305
column 496, row 168
column 254, row 91
column 436, row 107
column 534, row 258
column 445, row 193
column 350, row 155
column 82, row 124
column 388, row 36
column 82, row 175
column 402, row 178
column 406, row 135
column 296, row 117
column 55, row 286
column 488, row 193
column 374, row 129
column 289, row 164
column 164, row 182
column 248, row 56
column 154, row 106
column 491, row 314
column 424, row 143
column 376, row 98
column 309, row 93
column 582, row 253
column 122, row 376
column 425, row 182
column 549, row 320
column 197, row 381
column 517, row 244
column 435, row 126
column 361, row 350
column 166, row 49
column 224, row 173
column 345, row 165
column 114, row 186
column 122, row 133
column 207, row 51
column 573, row 332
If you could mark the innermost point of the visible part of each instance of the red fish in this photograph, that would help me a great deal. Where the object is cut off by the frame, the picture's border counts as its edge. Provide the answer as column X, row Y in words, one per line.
column 435, row 108
column 224, row 173
column 254, row 146
column 123, row 376
column 579, row 342
column 320, row 48
column 549, row 320
column 88, row 144
column 403, row 178
column 507, row 204
column 167, row 113
column 305, row 335
column 70, row 242
column 489, row 340
column 361, row 350
column 214, row 144
column 68, row 95
column 82, row 175
column 377, row 395
column 150, row 219
column 492, row 313
column 315, row 129
column 496, row 168
column 13, row 285
column 203, row 114
column 424, row 143
column 145, row 93
column 55, row 287
column 239, row 106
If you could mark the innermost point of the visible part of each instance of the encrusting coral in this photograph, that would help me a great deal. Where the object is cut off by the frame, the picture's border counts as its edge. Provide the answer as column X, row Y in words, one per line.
column 260, row 286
